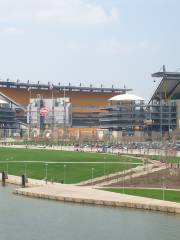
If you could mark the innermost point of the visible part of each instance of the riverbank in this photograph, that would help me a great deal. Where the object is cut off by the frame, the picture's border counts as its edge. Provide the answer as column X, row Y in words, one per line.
column 89, row 195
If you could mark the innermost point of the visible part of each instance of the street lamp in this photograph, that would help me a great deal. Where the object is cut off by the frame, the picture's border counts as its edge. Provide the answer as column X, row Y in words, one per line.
column 7, row 166
column 92, row 175
column 163, row 188
column 46, row 171
column 25, row 169
column 123, row 176
column 123, row 180
column 104, row 166
column 64, row 173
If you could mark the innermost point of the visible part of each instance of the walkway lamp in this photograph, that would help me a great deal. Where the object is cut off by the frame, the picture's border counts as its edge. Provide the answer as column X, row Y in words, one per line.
column 25, row 169
column 64, row 173
column 163, row 188
column 104, row 166
column 92, row 175
column 46, row 171
column 7, row 165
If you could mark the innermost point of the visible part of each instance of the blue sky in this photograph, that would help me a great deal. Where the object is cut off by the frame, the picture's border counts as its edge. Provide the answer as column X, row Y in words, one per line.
column 109, row 42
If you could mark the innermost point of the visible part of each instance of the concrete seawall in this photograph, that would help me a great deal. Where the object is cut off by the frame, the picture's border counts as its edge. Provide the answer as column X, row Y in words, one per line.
column 88, row 195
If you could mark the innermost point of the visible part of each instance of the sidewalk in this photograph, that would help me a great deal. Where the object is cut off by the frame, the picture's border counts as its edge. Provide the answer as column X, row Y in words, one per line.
column 88, row 195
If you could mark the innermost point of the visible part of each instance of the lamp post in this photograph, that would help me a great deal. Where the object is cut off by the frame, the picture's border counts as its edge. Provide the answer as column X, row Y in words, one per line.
column 7, row 165
column 123, row 180
column 25, row 169
column 92, row 175
column 46, row 171
column 64, row 173
column 123, row 176
column 163, row 188
column 104, row 166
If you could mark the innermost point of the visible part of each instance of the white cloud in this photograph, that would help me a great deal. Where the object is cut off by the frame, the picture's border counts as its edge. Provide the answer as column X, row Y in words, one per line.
column 61, row 11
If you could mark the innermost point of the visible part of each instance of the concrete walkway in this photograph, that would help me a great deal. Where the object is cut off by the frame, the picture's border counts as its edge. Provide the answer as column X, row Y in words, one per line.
column 88, row 195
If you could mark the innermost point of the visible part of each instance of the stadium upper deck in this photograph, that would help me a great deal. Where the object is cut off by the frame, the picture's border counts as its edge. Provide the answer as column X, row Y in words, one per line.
column 169, row 86
column 80, row 96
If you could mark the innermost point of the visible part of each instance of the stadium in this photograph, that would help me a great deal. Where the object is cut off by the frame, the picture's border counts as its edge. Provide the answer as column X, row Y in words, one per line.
column 78, row 112
column 86, row 101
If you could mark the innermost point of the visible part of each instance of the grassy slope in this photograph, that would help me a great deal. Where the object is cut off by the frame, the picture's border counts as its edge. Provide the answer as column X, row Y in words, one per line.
column 73, row 172
column 170, row 195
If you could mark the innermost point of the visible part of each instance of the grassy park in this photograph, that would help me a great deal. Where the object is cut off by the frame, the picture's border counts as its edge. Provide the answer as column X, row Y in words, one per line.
column 169, row 195
column 72, row 167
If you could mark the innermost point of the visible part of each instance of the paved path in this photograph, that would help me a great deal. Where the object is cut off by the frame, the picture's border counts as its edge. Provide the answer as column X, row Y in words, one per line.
column 88, row 195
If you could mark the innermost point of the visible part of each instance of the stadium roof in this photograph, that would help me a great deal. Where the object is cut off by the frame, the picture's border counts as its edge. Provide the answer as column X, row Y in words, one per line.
column 169, row 86
column 126, row 97
column 7, row 99
column 59, row 87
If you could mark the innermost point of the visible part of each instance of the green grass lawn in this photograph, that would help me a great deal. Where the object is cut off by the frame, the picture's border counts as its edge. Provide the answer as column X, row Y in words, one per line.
column 71, row 173
column 169, row 195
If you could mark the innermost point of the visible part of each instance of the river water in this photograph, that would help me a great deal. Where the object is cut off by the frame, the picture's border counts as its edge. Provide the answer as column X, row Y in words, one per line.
column 24, row 218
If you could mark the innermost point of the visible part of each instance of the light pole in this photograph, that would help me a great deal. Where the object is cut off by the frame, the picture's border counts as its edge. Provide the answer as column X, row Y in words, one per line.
column 92, row 175
column 123, row 176
column 104, row 166
column 25, row 169
column 163, row 188
column 7, row 166
column 123, row 180
column 64, row 173
column 46, row 171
